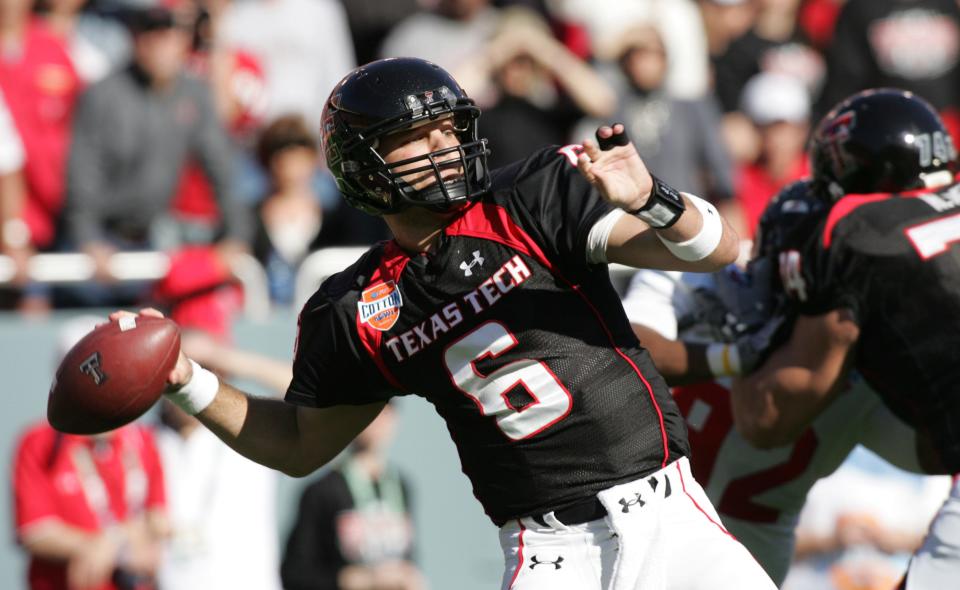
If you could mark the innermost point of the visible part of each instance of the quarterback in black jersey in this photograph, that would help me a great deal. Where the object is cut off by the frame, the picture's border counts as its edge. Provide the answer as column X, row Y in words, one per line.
column 493, row 302
column 875, row 282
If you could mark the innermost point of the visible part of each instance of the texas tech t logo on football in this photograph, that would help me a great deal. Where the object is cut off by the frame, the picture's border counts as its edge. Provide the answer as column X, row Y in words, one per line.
column 91, row 366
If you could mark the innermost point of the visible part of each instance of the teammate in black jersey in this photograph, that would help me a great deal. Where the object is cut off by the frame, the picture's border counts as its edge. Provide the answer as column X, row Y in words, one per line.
column 876, row 283
column 493, row 302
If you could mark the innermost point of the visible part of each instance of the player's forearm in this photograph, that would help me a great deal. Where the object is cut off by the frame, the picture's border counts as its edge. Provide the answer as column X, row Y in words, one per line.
column 263, row 430
column 690, row 224
column 634, row 243
column 293, row 439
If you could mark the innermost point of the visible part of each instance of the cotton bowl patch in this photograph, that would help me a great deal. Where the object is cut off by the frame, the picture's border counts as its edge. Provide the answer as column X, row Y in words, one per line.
column 380, row 306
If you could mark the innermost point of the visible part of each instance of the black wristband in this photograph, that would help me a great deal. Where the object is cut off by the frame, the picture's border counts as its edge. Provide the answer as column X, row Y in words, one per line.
column 664, row 206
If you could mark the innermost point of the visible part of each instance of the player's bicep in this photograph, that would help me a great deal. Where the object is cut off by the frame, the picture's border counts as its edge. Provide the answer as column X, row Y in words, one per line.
column 773, row 405
column 324, row 432
column 330, row 368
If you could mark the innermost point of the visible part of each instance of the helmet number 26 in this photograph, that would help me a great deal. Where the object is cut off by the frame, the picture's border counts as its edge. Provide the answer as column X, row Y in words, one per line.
column 525, row 396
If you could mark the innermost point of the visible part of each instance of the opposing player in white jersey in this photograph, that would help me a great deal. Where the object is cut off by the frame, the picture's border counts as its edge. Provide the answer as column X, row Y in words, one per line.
column 758, row 493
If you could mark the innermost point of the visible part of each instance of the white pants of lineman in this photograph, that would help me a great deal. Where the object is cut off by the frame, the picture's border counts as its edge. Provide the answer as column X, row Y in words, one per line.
column 936, row 564
column 661, row 533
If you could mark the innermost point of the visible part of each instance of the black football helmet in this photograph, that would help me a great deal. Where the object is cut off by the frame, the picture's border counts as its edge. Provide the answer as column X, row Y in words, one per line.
column 881, row 141
column 391, row 95
column 792, row 213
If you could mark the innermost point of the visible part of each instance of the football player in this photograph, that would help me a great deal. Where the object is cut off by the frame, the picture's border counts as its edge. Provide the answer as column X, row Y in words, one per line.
column 493, row 302
column 876, row 287
column 758, row 493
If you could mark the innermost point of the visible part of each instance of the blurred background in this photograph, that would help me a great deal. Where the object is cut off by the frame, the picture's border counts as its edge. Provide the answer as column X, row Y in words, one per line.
column 165, row 153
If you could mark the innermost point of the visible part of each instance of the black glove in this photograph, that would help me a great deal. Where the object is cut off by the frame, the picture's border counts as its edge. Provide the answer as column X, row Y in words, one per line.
column 755, row 346
column 707, row 318
column 747, row 295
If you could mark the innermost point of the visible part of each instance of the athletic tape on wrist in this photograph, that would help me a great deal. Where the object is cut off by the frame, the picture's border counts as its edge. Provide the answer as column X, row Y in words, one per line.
column 198, row 393
column 707, row 239
column 723, row 360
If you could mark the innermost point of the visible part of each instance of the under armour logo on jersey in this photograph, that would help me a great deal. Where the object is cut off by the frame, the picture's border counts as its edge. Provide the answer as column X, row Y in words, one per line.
column 91, row 366
column 628, row 503
column 467, row 267
column 537, row 561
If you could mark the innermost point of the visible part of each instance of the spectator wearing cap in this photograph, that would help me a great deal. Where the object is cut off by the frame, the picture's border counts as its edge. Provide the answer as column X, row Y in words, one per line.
column 779, row 107
column 679, row 139
column 134, row 132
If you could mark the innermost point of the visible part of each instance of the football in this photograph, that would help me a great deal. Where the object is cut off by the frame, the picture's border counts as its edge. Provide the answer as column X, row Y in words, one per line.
column 113, row 375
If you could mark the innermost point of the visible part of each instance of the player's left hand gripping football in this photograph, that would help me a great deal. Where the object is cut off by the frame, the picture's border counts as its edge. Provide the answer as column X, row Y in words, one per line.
column 617, row 170
column 182, row 371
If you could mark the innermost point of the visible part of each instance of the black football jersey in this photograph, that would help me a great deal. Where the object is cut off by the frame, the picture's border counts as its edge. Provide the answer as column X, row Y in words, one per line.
column 893, row 260
column 520, row 344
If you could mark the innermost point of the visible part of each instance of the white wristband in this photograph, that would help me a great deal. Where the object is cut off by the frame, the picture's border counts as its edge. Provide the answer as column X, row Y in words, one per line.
column 198, row 393
column 707, row 239
column 723, row 359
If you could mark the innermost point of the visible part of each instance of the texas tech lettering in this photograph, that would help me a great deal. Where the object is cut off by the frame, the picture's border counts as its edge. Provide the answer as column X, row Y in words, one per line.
column 503, row 280
column 490, row 290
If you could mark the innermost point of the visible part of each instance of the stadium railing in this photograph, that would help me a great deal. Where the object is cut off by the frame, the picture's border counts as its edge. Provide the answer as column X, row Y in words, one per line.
column 60, row 269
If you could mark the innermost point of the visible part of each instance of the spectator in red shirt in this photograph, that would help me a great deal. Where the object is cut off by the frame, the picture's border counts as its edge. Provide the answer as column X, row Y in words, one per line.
column 779, row 107
column 89, row 511
column 40, row 86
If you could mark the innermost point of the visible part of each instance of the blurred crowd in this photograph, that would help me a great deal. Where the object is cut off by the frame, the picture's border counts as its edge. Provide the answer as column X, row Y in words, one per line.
column 191, row 125
column 163, row 504
column 190, row 128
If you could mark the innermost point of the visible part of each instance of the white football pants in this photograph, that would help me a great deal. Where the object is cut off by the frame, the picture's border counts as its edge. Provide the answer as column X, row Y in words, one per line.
column 661, row 533
column 936, row 564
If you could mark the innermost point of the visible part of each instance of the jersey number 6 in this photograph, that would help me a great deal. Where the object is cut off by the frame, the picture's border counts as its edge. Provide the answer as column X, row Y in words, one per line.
column 524, row 395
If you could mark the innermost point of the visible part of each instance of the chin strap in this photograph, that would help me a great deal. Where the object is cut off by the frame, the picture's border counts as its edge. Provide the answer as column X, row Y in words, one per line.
column 935, row 179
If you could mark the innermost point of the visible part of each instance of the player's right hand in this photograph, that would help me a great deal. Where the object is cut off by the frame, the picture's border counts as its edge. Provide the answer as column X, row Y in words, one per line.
column 183, row 370
column 618, row 172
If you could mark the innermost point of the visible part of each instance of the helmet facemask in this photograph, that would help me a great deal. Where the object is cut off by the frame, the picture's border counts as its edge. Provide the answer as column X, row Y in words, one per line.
column 381, row 186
